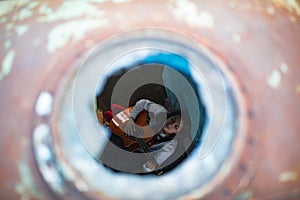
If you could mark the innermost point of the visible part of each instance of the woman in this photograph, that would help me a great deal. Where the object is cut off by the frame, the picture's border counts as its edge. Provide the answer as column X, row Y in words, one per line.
column 166, row 128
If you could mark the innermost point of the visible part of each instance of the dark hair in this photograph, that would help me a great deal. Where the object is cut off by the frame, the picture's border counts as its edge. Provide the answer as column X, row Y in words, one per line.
column 185, row 142
column 174, row 113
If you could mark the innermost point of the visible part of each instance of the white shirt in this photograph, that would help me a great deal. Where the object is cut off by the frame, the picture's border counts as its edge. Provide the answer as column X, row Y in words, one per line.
column 158, row 115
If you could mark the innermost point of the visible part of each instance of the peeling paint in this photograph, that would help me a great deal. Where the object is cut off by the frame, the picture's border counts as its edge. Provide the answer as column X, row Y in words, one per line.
column 204, row 20
column 75, row 30
column 103, row 1
column 187, row 12
column 22, row 29
column 284, row 68
column 236, row 38
column 45, row 10
column 288, row 176
column 7, row 63
column 33, row 4
column 43, row 106
column 270, row 10
column 42, row 143
column 120, row 1
column 6, row 7
column 69, row 10
column 274, row 79
column 24, row 14
column 290, row 5
column 26, row 187
column 81, row 186
column 41, row 132
column 97, row 1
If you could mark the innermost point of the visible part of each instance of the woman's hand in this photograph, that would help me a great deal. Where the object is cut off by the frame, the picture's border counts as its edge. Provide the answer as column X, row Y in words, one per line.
column 130, row 127
column 152, row 165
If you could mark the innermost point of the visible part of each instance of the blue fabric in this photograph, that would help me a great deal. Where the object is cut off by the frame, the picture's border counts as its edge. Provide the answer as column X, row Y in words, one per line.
column 182, row 65
column 173, row 60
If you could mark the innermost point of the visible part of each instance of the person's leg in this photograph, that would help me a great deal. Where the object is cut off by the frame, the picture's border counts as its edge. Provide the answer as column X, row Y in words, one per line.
column 108, row 115
column 116, row 108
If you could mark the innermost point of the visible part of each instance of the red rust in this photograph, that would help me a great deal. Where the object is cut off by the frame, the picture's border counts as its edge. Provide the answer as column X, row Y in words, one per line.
column 257, row 40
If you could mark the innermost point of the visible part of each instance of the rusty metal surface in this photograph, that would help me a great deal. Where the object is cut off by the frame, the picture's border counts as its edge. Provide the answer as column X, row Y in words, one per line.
column 258, row 41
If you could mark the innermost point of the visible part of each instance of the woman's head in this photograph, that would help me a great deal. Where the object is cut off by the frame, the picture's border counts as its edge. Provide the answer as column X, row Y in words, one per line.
column 173, row 124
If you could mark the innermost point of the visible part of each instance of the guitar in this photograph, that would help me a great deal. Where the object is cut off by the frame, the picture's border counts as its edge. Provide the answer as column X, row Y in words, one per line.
column 118, row 123
column 132, row 143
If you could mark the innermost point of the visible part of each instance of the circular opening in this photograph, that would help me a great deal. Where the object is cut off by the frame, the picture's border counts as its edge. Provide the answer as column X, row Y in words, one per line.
column 145, row 90
column 184, row 73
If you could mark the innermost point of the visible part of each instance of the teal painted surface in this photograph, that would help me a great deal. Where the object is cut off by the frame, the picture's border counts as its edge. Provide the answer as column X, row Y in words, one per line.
column 189, row 95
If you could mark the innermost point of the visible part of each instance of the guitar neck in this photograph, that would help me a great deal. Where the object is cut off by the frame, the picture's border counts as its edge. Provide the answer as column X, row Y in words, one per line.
column 119, row 121
column 144, row 147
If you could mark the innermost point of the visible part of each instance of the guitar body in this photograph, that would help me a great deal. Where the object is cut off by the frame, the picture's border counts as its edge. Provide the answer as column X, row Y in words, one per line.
column 119, row 121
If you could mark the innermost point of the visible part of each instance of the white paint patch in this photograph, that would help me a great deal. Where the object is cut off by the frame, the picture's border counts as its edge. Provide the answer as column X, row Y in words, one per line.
column 6, row 7
column 236, row 38
column 7, row 63
column 120, row 1
column 288, row 176
column 203, row 20
column 284, row 68
column 24, row 14
column 43, row 106
column 22, row 29
column 270, row 10
column 45, row 10
column 81, row 186
column 75, row 30
column 291, row 5
column 69, row 10
column 41, row 133
column 187, row 11
column 33, row 4
column 97, row 1
column 26, row 187
column 274, row 79
column 7, row 44
column 45, row 158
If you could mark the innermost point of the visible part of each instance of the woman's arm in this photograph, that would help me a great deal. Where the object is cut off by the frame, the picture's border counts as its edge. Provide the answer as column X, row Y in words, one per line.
column 157, row 113
column 130, row 127
column 140, row 105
